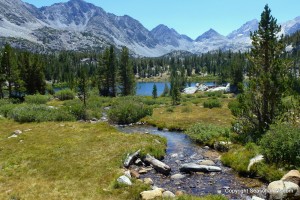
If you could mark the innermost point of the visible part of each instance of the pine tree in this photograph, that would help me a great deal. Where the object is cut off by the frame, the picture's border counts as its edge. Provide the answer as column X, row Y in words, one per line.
column 103, row 73
column 166, row 91
column 267, row 75
column 10, row 69
column 175, row 81
column 32, row 72
column 127, row 79
column 2, row 79
column 154, row 91
column 112, row 64
column 83, row 84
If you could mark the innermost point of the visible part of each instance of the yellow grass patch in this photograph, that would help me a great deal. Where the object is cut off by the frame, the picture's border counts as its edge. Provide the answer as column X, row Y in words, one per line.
column 66, row 160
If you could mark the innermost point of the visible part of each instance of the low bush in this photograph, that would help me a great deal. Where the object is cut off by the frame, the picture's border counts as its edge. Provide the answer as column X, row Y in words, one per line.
column 38, row 113
column 212, row 103
column 128, row 110
column 214, row 94
column 65, row 94
column 234, row 107
column 50, row 89
column 197, row 101
column 6, row 108
column 281, row 145
column 37, row 99
column 238, row 158
column 76, row 108
column 204, row 133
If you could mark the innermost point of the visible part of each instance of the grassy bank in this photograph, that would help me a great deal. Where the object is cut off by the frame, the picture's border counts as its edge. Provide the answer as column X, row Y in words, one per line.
column 191, row 111
column 67, row 160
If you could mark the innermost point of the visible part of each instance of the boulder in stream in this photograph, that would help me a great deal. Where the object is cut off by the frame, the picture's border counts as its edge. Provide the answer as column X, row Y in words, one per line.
column 157, row 165
column 131, row 158
column 178, row 176
column 256, row 198
column 152, row 194
column 168, row 195
column 207, row 162
column 283, row 190
column 292, row 176
column 148, row 181
column 193, row 167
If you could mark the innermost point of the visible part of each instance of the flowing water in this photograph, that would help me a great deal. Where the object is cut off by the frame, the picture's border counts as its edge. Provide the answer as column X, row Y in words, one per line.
column 180, row 150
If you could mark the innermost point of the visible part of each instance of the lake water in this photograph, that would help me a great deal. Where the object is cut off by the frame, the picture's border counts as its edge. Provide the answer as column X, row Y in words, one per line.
column 145, row 88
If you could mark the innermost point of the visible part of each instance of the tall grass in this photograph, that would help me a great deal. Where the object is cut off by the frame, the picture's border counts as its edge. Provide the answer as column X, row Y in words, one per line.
column 37, row 99
column 38, row 113
column 65, row 94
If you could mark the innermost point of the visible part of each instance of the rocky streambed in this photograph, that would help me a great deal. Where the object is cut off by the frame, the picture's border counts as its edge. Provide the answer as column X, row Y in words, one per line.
column 181, row 151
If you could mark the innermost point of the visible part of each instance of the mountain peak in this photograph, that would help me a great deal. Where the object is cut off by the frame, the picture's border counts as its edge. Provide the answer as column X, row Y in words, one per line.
column 244, row 30
column 211, row 33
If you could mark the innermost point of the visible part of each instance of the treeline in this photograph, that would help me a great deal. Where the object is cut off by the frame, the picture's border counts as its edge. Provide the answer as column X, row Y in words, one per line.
column 24, row 73
column 115, row 73
column 21, row 72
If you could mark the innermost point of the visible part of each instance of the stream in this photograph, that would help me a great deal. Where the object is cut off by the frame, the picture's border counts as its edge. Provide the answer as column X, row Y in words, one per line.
column 180, row 150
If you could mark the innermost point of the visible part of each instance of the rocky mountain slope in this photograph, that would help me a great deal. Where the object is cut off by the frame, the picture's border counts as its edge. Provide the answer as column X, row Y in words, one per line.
column 78, row 25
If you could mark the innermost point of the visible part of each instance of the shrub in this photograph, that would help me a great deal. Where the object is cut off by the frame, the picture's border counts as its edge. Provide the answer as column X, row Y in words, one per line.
column 281, row 144
column 127, row 110
column 65, row 94
column 212, row 103
column 214, row 94
column 238, row 158
column 6, row 108
column 50, row 89
column 235, row 107
column 76, row 108
column 6, row 105
column 38, row 113
column 196, row 101
column 203, row 133
column 37, row 99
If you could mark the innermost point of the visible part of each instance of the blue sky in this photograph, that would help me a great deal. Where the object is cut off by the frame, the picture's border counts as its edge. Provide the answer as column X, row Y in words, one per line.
column 193, row 17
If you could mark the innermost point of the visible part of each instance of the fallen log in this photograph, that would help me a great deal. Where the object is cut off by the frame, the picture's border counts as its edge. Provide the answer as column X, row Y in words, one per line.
column 157, row 165
column 192, row 167
column 131, row 158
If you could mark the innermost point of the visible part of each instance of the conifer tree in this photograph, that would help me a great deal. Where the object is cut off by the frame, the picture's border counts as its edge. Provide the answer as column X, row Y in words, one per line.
column 112, row 69
column 32, row 72
column 103, row 73
column 2, row 79
column 154, row 91
column 127, row 79
column 175, row 82
column 83, row 84
column 166, row 91
column 10, row 69
column 261, row 101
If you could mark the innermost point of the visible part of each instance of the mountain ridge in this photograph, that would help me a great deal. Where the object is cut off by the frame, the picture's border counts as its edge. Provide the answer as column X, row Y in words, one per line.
column 79, row 25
